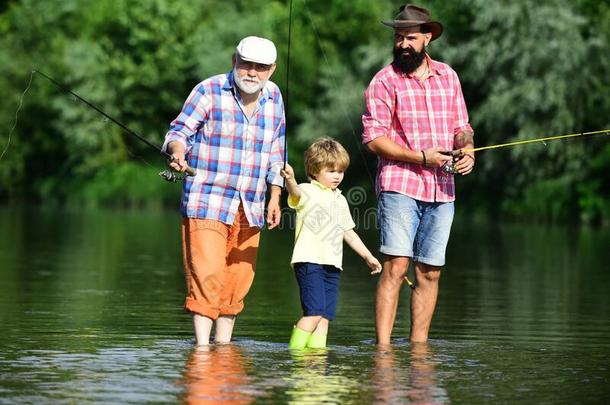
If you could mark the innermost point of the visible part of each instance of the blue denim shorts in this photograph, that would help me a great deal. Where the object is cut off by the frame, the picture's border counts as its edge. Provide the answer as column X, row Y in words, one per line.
column 318, row 287
column 416, row 229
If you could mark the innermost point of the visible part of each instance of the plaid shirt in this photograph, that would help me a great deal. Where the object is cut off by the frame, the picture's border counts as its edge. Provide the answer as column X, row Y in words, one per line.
column 234, row 156
column 416, row 116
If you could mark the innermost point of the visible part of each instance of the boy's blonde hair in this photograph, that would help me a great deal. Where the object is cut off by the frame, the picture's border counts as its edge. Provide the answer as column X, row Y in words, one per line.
column 325, row 153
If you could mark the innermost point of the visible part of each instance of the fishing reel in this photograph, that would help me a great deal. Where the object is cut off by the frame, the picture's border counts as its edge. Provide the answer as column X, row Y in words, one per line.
column 449, row 166
column 172, row 176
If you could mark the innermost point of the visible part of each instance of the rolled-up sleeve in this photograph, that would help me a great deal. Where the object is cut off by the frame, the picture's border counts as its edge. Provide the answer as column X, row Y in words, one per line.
column 276, row 156
column 461, row 113
column 193, row 114
column 377, row 119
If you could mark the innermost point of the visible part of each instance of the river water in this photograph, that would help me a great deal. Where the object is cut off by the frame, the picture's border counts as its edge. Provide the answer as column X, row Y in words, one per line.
column 91, row 312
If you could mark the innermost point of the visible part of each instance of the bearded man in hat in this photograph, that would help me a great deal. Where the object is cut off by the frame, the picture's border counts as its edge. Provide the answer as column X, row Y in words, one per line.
column 415, row 110
column 231, row 132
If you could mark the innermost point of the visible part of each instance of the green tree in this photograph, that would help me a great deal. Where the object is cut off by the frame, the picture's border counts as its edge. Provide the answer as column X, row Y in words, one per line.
column 536, row 70
column 528, row 69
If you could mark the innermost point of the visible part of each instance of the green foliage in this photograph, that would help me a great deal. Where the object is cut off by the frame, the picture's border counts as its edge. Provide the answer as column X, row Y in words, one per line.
column 534, row 70
column 129, row 185
column 528, row 68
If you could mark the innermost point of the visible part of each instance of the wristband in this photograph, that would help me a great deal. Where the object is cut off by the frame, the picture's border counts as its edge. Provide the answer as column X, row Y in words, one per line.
column 424, row 156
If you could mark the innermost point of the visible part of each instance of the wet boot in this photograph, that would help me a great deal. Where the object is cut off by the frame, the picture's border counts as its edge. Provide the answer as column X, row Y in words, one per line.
column 299, row 338
column 316, row 341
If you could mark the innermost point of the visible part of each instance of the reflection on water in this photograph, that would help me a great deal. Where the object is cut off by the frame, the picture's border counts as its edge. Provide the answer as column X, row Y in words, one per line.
column 217, row 373
column 312, row 380
column 91, row 311
column 422, row 374
column 411, row 378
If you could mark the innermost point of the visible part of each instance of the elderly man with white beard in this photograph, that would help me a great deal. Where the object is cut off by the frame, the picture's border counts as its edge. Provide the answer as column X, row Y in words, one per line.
column 231, row 132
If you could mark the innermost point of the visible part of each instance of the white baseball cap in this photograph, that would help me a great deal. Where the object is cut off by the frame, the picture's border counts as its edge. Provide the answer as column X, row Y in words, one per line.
column 257, row 49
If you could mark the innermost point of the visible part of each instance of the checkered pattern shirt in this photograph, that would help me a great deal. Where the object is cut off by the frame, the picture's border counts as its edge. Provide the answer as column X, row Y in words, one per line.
column 234, row 156
column 416, row 116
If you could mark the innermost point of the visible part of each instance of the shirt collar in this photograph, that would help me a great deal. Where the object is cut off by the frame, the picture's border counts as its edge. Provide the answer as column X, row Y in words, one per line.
column 435, row 67
column 323, row 187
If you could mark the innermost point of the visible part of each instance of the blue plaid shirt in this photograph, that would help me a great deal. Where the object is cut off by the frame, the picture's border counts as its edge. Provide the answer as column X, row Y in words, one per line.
column 234, row 156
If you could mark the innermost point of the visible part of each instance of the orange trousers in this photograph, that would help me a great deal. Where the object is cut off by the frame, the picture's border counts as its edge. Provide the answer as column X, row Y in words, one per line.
column 219, row 264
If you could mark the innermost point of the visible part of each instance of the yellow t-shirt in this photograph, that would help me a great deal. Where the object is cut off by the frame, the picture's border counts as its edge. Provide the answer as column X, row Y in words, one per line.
column 322, row 218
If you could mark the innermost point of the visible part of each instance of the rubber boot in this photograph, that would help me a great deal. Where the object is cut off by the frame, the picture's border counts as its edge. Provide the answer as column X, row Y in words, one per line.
column 298, row 339
column 316, row 341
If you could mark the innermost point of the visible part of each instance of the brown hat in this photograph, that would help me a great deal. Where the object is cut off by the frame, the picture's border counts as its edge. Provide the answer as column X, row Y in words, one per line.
column 413, row 16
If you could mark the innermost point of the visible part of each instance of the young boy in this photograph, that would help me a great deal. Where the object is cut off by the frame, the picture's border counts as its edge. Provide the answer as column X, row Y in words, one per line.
column 323, row 223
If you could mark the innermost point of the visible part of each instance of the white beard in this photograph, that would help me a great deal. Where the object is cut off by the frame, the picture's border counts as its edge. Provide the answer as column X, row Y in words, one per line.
column 247, row 86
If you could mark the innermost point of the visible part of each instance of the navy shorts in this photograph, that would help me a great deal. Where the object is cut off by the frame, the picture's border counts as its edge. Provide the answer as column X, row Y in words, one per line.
column 319, row 287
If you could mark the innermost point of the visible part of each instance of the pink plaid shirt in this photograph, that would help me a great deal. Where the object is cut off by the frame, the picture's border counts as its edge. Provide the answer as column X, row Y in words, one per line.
column 416, row 116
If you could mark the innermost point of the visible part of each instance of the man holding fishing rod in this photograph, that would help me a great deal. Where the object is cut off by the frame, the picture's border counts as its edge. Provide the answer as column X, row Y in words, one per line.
column 415, row 111
column 231, row 130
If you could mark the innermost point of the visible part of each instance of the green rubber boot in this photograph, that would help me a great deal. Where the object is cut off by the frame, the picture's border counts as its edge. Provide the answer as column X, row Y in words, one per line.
column 298, row 339
column 316, row 341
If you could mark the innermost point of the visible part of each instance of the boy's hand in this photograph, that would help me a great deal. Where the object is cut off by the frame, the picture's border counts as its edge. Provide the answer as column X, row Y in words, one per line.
column 373, row 264
column 291, row 184
column 288, row 172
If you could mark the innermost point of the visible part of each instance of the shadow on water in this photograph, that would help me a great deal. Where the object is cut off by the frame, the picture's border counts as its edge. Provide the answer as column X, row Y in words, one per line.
column 91, row 311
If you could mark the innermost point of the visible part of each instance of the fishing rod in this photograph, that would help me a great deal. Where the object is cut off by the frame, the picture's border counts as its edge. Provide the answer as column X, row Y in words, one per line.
column 287, row 83
column 166, row 174
column 458, row 153
column 548, row 138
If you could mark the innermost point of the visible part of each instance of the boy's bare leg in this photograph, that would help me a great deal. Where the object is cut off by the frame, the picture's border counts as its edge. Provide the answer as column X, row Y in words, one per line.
column 224, row 328
column 423, row 300
column 386, row 298
column 309, row 323
column 322, row 328
column 202, row 326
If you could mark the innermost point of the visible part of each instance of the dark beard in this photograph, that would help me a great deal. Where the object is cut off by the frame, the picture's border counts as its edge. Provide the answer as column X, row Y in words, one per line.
column 408, row 63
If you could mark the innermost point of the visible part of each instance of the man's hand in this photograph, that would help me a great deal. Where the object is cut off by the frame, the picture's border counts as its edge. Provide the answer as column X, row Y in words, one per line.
column 177, row 151
column 434, row 157
column 464, row 141
column 466, row 164
column 178, row 163
column 274, row 212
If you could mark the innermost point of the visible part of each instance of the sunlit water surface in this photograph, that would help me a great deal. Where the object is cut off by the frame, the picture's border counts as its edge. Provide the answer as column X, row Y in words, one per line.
column 91, row 311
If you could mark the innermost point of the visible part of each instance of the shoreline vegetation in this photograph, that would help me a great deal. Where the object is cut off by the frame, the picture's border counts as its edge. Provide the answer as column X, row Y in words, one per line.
column 528, row 69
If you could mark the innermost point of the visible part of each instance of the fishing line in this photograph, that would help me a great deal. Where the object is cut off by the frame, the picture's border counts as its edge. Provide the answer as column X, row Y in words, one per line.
column 129, row 151
column 334, row 82
column 124, row 127
column 10, row 133
column 166, row 174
